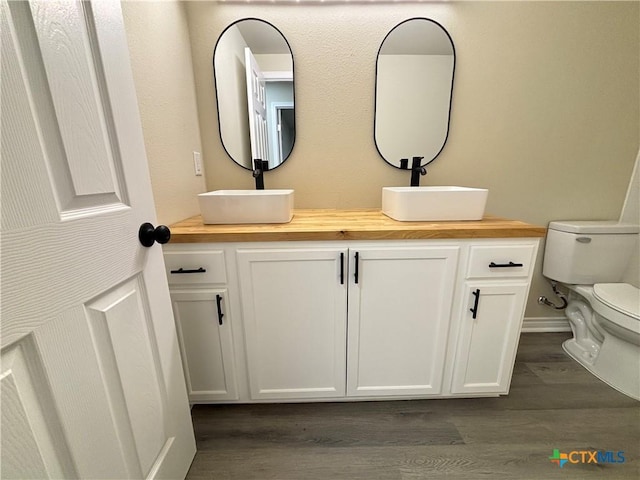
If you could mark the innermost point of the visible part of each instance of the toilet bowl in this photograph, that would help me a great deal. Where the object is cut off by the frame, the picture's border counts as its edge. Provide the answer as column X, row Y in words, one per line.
column 589, row 258
column 617, row 307
column 605, row 320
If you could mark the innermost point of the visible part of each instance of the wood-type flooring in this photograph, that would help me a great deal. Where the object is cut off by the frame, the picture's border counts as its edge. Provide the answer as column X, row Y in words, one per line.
column 553, row 404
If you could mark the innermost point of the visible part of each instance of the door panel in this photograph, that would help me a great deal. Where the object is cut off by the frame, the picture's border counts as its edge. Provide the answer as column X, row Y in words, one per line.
column 89, row 347
column 32, row 442
column 19, row 439
column 24, row 203
column 67, row 90
column 74, row 82
column 81, row 396
column 120, row 333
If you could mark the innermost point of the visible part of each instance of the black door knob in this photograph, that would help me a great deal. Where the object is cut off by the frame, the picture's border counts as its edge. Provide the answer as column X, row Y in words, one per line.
column 148, row 234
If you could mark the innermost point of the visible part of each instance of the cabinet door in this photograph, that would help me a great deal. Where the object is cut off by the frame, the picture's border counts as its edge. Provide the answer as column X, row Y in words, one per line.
column 294, row 304
column 487, row 344
column 204, row 333
column 399, row 315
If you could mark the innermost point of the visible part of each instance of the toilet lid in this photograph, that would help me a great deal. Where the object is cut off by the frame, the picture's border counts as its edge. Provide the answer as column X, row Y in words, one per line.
column 622, row 297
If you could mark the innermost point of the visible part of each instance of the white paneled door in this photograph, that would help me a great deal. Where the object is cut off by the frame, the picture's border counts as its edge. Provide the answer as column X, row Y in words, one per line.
column 257, row 104
column 92, row 384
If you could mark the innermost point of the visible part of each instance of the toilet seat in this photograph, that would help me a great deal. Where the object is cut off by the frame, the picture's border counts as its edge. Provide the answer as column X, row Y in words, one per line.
column 619, row 303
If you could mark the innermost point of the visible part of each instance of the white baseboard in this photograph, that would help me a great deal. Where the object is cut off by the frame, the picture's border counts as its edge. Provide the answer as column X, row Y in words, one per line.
column 545, row 324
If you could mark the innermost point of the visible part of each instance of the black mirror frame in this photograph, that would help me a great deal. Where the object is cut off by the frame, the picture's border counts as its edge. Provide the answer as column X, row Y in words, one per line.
column 375, row 96
column 215, row 88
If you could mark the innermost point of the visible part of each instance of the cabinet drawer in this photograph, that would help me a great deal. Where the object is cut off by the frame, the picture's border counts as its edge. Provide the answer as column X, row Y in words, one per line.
column 186, row 268
column 496, row 261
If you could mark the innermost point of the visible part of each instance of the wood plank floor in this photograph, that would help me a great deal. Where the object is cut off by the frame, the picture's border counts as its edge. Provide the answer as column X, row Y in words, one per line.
column 553, row 404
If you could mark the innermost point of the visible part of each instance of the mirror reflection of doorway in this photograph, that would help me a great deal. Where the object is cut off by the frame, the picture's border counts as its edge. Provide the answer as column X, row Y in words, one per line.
column 286, row 131
column 257, row 108
column 249, row 55
column 280, row 119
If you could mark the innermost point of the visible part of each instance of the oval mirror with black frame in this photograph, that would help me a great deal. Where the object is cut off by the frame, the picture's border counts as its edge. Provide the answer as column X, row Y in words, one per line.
column 414, row 85
column 253, row 75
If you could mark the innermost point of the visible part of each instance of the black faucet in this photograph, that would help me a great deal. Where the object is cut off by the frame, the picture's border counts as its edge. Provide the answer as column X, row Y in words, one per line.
column 259, row 167
column 416, row 170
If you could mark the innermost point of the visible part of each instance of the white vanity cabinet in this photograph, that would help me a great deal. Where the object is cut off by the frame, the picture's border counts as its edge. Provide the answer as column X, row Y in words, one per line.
column 333, row 320
column 296, row 313
column 495, row 294
column 200, row 301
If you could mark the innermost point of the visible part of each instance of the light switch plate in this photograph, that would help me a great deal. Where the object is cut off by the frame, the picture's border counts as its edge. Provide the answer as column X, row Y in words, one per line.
column 197, row 164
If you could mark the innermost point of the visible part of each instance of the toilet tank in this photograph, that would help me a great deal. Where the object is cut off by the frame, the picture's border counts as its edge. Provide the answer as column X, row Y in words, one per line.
column 588, row 252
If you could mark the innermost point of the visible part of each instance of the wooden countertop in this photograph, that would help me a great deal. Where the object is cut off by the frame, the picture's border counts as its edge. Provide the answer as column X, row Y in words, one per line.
column 361, row 224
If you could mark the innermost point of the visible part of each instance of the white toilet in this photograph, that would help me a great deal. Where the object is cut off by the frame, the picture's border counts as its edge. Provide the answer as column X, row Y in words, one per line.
column 590, row 258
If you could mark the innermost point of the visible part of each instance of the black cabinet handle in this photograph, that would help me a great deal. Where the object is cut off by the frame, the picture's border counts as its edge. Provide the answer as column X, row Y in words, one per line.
column 182, row 270
column 474, row 310
column 356, row 270
column 505, row 265
column 342, row 268
column 220, row 314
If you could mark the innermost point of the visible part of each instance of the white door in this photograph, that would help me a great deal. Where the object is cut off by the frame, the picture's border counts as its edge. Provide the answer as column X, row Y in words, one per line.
column 256, row 101
column 91, row 380
column 487, row 343
column 294, row 304
column 399, row 314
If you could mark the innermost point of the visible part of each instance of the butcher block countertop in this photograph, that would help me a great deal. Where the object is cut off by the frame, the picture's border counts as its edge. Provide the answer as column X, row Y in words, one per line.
column 361, row 224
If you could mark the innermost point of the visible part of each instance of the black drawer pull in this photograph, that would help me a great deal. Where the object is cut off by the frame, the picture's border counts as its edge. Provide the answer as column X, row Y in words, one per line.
column 474, row 310
column 220, row 314
column 505, row 265
column 356, row 273
column 341, row 268
column 182, row 270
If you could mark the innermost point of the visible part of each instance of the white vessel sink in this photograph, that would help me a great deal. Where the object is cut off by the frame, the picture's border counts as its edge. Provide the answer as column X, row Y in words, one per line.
column 246, row 206
column 420, row 204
